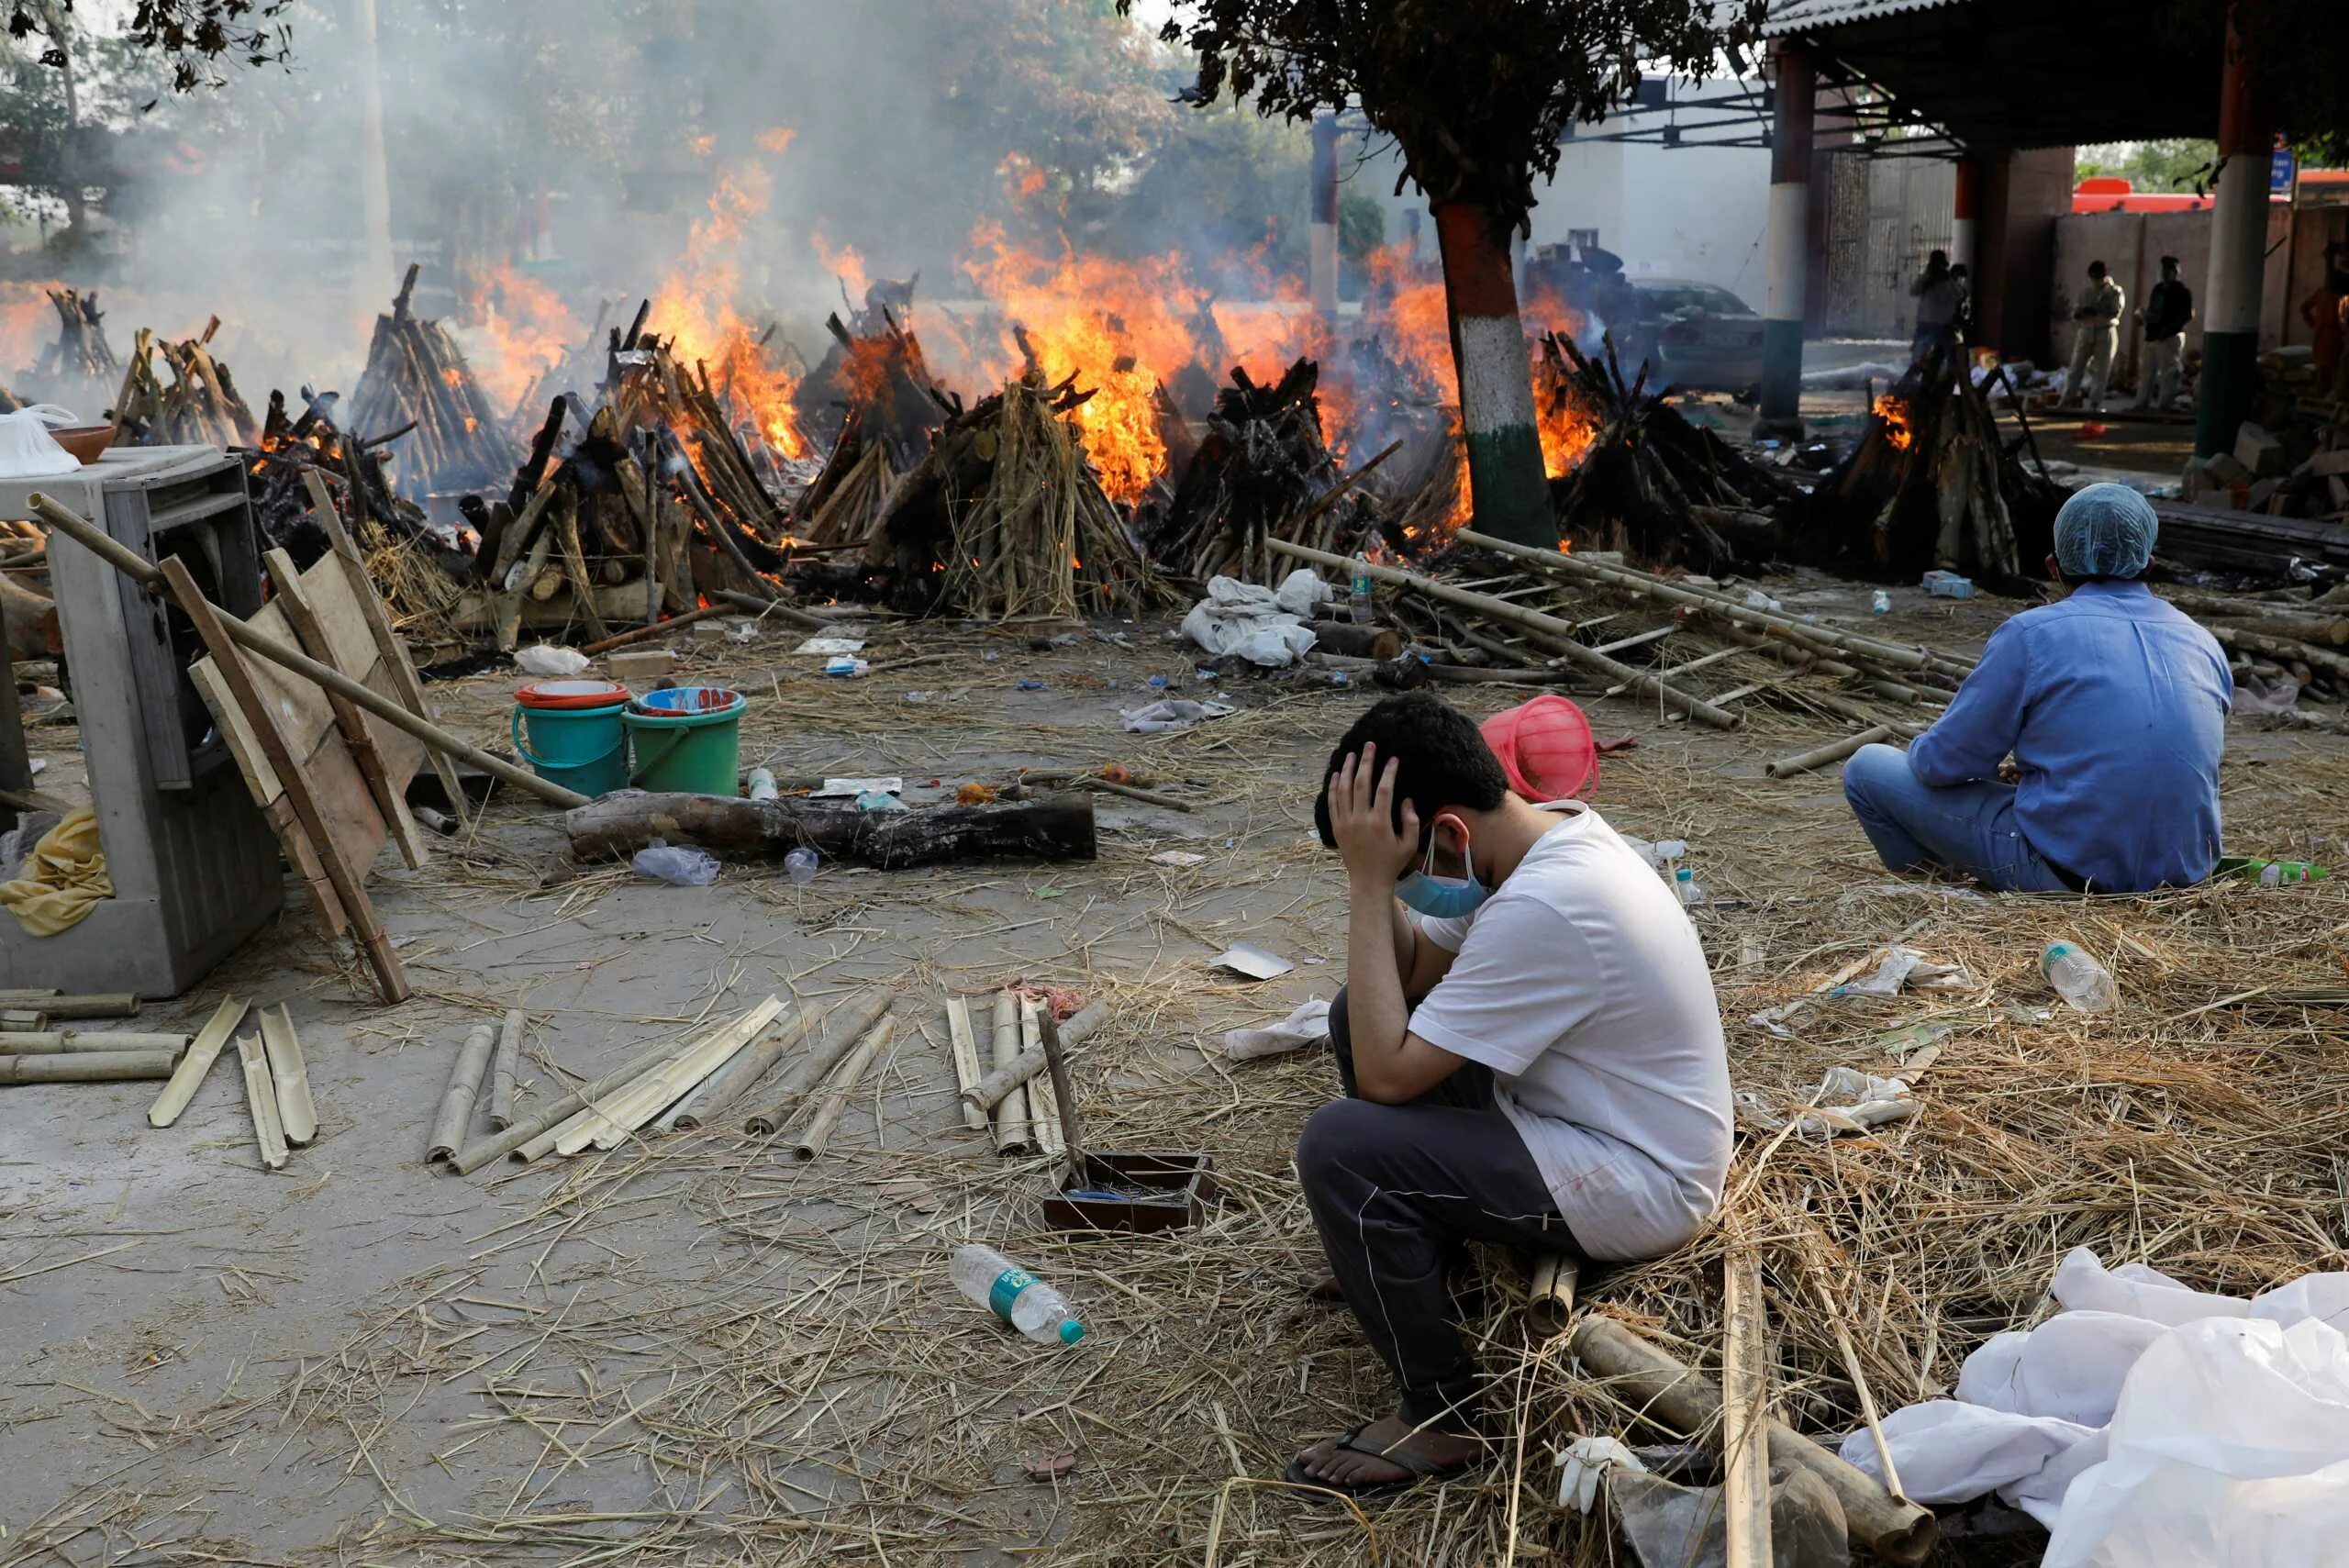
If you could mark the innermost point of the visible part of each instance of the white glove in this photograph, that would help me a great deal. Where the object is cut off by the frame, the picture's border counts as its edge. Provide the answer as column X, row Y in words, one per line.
column 1584, row 1462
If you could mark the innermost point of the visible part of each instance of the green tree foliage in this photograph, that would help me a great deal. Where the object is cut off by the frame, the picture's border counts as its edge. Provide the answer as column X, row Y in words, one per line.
column 1478, row 94
column 2171, row 164
column 193, row 38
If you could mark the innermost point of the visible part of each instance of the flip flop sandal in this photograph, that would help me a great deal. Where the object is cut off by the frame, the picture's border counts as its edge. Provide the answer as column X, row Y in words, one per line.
column 1420, row 1469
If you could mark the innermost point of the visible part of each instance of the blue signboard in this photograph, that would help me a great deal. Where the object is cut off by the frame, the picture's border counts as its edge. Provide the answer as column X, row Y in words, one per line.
column 2280, row 170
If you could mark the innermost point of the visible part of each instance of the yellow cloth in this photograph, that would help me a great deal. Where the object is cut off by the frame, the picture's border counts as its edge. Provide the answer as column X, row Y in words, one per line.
column 68, row 874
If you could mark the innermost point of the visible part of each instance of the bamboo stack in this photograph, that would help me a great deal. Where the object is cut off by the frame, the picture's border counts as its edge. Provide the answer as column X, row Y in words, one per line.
column 417, row 379
column 81, row 349
column 200, row 407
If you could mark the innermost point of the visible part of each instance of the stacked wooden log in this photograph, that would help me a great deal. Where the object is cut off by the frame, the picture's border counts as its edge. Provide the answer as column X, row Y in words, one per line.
column 81, row 349
column 1931, row 484
column 199, row 407
column 1262, row 471
column 886, row 407
column 691, row 432
column 2281, row 645
column 1005, row 518
column 291, row 448
column 418, row 387
column 1650, row 483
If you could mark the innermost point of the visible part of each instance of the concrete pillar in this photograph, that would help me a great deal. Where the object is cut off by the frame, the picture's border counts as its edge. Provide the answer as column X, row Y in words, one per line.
column 2231, row 302
column 1965, row 211
column 1784, row 249
column 1322, row 280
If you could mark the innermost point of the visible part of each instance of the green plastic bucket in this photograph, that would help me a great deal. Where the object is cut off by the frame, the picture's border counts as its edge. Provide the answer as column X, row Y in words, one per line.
column 687, row 738
column 574, row 733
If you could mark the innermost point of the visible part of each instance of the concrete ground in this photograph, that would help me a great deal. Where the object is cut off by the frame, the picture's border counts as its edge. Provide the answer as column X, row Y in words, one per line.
column 696, row 1348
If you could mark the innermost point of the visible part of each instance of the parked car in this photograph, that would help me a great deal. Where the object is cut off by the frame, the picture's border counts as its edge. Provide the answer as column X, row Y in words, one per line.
column 1697, row 335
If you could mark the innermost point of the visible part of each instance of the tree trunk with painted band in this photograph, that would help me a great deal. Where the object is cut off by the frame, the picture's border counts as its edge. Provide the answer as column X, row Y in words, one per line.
column 1494, row 370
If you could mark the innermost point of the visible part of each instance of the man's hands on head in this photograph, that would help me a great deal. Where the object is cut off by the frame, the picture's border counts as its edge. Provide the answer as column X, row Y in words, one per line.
column 1362, row 821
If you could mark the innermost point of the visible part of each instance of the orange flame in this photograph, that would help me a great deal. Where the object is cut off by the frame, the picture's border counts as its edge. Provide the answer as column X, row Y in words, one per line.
column 695, row 308
column 522, row 329
column 843, row 264
column 1892, row 413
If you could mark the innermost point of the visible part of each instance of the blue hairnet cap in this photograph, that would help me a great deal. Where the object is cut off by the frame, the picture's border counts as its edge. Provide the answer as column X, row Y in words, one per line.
column 2105, row 530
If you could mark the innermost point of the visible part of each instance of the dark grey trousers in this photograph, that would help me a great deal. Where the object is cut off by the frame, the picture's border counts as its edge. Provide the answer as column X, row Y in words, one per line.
column 1395, row 1191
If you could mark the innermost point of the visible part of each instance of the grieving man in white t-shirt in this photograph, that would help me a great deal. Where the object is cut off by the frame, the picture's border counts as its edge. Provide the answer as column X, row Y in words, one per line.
column 1535, row 1059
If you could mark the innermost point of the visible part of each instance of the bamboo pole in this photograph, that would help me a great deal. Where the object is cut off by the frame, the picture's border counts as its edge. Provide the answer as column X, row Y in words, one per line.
column 830, row 1041
column 826, row 1116
column 610, row 1126
column 964, row 1046
column 2278, row 651
column 501, row 1071
column 75, row 527
column 1550, row 1299
column 99, row 1005
column 54, row 1042
column 1517, row 614
column 23, row 1020
column 197, row 1061
column 1661, row 1389
column 1044, row 1100
column 455, row 1116
column 260, row 1101
column 1833, row 752
column 519, row 1136
column 1745, row 1411
column 989, row 1090
column 87, row 1067
column 297, row 1115
column 1876, row 650
column 741, row 1074
column 1011, row 1111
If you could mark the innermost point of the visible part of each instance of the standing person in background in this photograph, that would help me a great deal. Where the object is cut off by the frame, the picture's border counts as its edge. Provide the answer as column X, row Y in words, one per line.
column 2096, row 333
column 1940, row 294
column 2167, row 310
column 2323, row 311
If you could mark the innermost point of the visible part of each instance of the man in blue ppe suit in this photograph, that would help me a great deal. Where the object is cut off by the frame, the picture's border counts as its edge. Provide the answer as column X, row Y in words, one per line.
column 2114, row 705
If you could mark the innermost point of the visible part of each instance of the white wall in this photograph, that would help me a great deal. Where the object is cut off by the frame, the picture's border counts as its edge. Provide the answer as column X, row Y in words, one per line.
column 1683, row 212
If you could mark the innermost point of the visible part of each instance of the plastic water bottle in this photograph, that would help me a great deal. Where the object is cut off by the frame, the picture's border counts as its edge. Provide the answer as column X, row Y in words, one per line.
column 2078, row 978
column 678, row 867
column 1359, row 609
column 1881, row 604
column 1014, row 1295
column 1684, row 883
column 762, row 785
column 801, row 866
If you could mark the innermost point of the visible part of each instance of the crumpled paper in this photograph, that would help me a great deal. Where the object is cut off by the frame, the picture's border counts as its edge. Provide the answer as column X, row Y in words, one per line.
column 1173, row 714
column 547, row 662
column 1261, row 625
column 1310, row 1025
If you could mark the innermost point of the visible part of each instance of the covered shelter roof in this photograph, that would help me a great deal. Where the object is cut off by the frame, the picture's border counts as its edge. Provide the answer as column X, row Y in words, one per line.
column 1998, row 74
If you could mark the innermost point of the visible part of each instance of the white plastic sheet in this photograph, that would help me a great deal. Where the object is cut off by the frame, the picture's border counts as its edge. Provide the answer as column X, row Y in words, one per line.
column 1261, row 625
column 27, row 448
column 2150, row 1425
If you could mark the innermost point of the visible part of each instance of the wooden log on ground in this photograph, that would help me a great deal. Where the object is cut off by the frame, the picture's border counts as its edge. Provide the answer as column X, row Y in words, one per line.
column 1049, row 828
column 2264, row 617
column 990, row 1090
column 1362, row 641
column 87, row 1067
column 2321, row 661
column 1833, row 752
column 1659, row 1389
column 1502, row 610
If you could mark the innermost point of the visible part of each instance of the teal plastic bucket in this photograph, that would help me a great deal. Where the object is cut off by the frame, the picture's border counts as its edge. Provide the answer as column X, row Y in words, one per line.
column 687, row 738
column 569, row 731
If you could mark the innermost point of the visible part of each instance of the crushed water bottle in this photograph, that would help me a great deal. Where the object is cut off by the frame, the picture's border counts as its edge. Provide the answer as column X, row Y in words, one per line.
column 1685, row 883
column 677, row 867
column 1359, row 609
column 1881, row 604
column 2078, row 978
column 1014, row 1295
column 800, row 864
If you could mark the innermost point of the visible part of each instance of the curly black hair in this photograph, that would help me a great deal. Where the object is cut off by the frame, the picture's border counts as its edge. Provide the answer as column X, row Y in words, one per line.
column 1445, row 761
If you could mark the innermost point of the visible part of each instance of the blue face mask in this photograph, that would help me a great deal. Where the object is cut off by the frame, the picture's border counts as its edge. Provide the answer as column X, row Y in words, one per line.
column 1442, row 897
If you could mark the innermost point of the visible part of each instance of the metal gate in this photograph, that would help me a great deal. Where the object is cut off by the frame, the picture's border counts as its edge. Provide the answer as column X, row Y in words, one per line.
column 1883, row 217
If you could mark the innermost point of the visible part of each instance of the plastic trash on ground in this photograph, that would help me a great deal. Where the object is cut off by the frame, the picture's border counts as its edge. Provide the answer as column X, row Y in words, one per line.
column 1174, row 714
column 1671, row 1526
column 1948, row 585
column 1310, row 1025
column 676, row 866
column 1263, row 625
column 546, row 660
column 800, row 864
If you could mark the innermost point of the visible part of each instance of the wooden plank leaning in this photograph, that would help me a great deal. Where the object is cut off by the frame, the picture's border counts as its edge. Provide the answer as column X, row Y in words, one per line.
column 65, row 520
